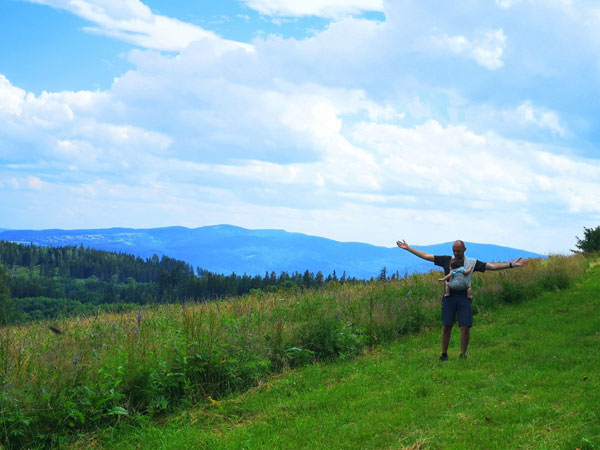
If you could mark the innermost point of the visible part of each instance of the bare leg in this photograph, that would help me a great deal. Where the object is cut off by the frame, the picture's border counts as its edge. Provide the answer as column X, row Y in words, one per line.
column 469, row 292
column 446, row 332
column 465, row 336
column 447, row 290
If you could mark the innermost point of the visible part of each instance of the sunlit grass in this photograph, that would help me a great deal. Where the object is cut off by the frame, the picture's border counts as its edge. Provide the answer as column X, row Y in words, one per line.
column 530, row 382
column 108, row 368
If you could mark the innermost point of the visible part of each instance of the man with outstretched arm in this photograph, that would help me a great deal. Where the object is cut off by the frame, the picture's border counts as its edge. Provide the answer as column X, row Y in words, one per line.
column 457, row 302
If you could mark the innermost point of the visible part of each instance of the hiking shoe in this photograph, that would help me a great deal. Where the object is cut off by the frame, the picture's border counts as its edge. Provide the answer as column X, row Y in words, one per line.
column 443, row 357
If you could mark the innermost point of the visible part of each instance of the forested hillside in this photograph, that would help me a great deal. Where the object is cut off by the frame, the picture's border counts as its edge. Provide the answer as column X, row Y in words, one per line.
column 46, row 282
column 225, row 249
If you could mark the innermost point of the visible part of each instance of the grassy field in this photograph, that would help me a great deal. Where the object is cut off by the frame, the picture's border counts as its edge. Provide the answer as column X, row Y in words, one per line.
column 109, row 370
column 531, row 381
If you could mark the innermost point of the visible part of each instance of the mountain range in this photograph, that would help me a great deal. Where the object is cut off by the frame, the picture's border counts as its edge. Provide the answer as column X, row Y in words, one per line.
column 227, row 248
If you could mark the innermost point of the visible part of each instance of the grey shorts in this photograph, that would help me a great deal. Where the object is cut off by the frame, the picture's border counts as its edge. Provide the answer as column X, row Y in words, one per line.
column 457, row 304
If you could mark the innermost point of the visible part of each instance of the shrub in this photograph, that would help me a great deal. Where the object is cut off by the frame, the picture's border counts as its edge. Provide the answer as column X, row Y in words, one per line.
column 297, row 356
column 329, row 338
column 591, row 240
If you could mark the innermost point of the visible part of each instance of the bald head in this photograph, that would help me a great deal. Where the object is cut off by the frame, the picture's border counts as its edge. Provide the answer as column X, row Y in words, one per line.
column 458, row 248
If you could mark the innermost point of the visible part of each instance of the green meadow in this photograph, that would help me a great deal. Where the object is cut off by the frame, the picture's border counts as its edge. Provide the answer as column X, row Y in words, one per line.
column 531, row 381
column 347, row 366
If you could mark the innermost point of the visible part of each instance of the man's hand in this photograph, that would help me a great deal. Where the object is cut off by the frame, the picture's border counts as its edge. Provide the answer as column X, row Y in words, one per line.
column 520, row 262
column 402, row 244
column 421, row 254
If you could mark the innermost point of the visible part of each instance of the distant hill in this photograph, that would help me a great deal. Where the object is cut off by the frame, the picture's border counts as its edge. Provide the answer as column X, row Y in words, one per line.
column 226, row 249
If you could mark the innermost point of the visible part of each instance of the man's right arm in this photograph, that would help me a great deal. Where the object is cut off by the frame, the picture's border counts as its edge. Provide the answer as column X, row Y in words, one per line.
column 426, row 256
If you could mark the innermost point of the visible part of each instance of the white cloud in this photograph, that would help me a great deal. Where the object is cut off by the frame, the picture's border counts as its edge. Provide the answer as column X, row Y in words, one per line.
column 486, row 48
column 564, row 5
column 526, row 120
column 70, row 130
column 321, row 8
column 48, row 109
column 507, row 3
column 133, row 22
column 35, row 183
column 541, row 118
column 358, row 133
column 11, row 97
column 26, row 183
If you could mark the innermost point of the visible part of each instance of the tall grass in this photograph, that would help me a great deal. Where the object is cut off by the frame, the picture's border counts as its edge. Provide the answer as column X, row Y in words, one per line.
column 111, row 367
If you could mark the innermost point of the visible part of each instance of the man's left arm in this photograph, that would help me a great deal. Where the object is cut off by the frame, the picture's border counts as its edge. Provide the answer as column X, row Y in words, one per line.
column 519, row 262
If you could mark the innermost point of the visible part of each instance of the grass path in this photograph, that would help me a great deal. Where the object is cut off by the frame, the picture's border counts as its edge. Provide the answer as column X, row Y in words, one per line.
column 532, row 380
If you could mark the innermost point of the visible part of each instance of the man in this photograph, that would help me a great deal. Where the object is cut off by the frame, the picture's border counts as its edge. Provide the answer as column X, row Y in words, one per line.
column 457, row 302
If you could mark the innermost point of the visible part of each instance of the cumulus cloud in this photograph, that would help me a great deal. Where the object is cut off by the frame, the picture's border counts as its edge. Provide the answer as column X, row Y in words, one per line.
column 541, row 118
column 70, row 130
column 11, row 97
column 321, row 8
column 357, row 132
column 523, row 120
column 459, row 165
column 486, row 48
column 132, row 21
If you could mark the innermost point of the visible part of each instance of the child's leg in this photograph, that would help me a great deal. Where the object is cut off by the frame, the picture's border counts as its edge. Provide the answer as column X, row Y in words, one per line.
column 469, row 293
column 447, row 290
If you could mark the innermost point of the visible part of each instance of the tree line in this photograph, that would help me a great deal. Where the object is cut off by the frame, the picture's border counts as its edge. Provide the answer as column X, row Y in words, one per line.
column 39, row 282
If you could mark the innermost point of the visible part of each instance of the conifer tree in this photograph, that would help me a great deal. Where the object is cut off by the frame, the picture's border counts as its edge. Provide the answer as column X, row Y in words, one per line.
column 7, row 306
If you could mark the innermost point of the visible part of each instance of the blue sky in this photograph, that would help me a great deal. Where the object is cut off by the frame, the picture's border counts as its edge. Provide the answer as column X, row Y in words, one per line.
column 356, row 120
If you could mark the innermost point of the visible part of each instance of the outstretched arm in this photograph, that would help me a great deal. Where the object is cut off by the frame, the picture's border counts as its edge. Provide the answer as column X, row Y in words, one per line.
column 402, row 244
column 519, row 262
